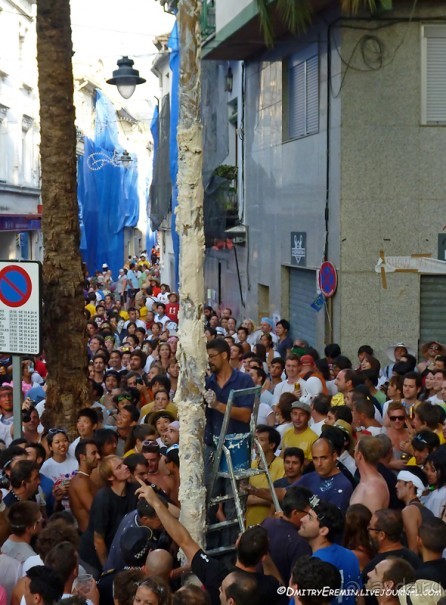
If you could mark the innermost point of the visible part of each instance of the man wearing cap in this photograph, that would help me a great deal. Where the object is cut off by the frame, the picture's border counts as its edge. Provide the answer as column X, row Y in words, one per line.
column 300, row 435
column 410, row 485
column 145, row 519
column 313, row 381
column 394, row 353
column 266, row 327
column 152, row 453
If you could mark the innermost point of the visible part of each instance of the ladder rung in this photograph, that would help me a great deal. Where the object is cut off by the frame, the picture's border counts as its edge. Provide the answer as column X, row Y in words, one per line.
column 251, row 472
column 218, row 499
column 216, row 526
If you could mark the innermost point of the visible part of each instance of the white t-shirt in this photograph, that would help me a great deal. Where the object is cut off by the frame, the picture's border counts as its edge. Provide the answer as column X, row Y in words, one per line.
column 59, row 471
column 264, row 412
column 285, row 387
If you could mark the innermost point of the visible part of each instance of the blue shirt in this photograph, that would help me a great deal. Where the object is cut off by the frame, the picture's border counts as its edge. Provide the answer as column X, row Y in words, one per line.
column 336, row 489
column 214, row 419
column 347, row 564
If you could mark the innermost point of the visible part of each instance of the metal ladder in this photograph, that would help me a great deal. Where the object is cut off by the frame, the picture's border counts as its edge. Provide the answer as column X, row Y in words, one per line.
column 236, row 477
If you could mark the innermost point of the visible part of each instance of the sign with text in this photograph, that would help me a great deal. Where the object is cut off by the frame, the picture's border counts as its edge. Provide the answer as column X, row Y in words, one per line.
column 299, row 248
column 20, row 307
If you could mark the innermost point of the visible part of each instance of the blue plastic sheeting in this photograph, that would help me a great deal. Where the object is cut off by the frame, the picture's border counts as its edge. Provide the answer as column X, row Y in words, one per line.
column 155, row 131
column 174, row 64
column 108, row 197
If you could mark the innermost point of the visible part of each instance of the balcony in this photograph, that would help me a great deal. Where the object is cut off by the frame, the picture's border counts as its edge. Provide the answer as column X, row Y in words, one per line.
column 207, row 20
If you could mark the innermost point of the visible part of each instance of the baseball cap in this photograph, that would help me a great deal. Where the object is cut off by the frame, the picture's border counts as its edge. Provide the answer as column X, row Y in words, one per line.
column 301, row 405
column 306, row 360
column 175, row 425
column 135, row 544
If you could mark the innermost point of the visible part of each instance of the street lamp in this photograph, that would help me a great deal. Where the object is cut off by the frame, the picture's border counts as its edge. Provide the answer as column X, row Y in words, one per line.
column 99, row 159
column 126, row 78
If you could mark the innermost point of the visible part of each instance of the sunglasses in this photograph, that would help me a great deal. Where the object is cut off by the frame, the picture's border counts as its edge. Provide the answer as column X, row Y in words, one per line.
column 124, row 398
column 394, row 418
column 150, row 446
column 420, row 438
column 56, row 431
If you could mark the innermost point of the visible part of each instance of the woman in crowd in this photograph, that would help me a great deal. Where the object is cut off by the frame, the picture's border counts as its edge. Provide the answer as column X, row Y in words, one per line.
column 60, row 467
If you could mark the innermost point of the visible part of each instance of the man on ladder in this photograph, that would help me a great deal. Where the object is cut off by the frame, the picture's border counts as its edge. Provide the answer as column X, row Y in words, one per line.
column 219, row 385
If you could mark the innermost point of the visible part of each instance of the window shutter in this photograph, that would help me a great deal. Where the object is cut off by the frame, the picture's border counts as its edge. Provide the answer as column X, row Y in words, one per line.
column 313, row 95
column 303, row 97
column 297, row 101
column 435, row 75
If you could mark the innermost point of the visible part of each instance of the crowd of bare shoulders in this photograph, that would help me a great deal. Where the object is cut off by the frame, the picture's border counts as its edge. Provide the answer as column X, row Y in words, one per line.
column 356, row 450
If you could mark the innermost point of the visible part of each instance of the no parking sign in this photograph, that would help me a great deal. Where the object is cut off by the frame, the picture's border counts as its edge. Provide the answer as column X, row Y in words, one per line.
column 328, row 279
column 20, row 307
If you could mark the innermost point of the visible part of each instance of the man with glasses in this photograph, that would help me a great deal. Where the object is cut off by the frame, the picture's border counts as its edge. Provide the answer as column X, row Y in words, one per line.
column 25, row 520
column 385, row 530
column 219, row 384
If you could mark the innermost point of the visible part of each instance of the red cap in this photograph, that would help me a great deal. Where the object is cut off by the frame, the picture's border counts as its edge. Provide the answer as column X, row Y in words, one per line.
column 307, row 360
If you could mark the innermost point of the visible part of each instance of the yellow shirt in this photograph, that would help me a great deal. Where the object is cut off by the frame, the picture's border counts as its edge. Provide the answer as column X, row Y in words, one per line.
column 148, row 409
column 256, row 513
column 337, row 399
column 303, row 440
column 439, row 432
column 91, row 308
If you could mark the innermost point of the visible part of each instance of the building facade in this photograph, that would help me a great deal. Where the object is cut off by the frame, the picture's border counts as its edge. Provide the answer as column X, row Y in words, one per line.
column 20, row 206
column 343, row 131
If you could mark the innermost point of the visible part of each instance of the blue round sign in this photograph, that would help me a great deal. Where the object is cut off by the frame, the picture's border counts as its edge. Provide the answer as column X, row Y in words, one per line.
column 328, row 279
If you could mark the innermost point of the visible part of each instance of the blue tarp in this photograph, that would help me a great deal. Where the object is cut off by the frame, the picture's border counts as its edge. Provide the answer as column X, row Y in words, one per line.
column 174, row 64
column 108, row 196
column 155, row 131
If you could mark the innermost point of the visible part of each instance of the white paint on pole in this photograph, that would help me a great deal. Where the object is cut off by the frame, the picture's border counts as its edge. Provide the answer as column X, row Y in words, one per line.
column 20, row 307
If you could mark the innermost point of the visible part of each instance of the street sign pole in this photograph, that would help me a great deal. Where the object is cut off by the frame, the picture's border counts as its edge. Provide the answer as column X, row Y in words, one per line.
column 20, row 326
column 17, row 395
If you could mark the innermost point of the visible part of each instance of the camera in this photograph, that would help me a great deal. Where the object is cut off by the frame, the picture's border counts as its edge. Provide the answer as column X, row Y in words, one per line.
column 26, row 414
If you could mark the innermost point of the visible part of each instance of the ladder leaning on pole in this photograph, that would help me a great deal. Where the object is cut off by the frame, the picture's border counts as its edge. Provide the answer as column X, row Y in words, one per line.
column 236, row 475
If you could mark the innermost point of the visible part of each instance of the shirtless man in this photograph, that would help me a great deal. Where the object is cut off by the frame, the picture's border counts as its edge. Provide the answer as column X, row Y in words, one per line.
column 151, row 452
column 82, row 489
column 372, row 490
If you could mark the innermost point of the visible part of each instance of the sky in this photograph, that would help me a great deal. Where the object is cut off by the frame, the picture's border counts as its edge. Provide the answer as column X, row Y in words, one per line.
column 108, row 29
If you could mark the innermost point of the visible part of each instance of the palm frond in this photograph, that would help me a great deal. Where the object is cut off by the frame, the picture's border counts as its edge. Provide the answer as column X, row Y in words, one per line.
column 353, row 6
column 265, row 22
column 296, row 14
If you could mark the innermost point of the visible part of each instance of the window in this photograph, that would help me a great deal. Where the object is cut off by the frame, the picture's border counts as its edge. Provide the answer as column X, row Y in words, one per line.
column 433, row 74
column 302, row 94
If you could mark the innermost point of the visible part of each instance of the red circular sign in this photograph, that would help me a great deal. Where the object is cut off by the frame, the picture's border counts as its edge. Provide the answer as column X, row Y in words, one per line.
column 328, row 279
column 15, row 286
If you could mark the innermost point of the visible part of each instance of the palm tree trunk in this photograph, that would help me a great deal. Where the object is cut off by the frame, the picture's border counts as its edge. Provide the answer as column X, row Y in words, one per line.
column 63, row 321
column 192, row 351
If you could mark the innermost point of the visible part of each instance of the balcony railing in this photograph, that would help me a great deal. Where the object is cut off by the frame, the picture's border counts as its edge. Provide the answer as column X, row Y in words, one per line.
column 207, row 19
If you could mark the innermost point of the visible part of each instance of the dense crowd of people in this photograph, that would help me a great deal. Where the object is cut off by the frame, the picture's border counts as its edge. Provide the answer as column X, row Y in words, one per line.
column 356, row 451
